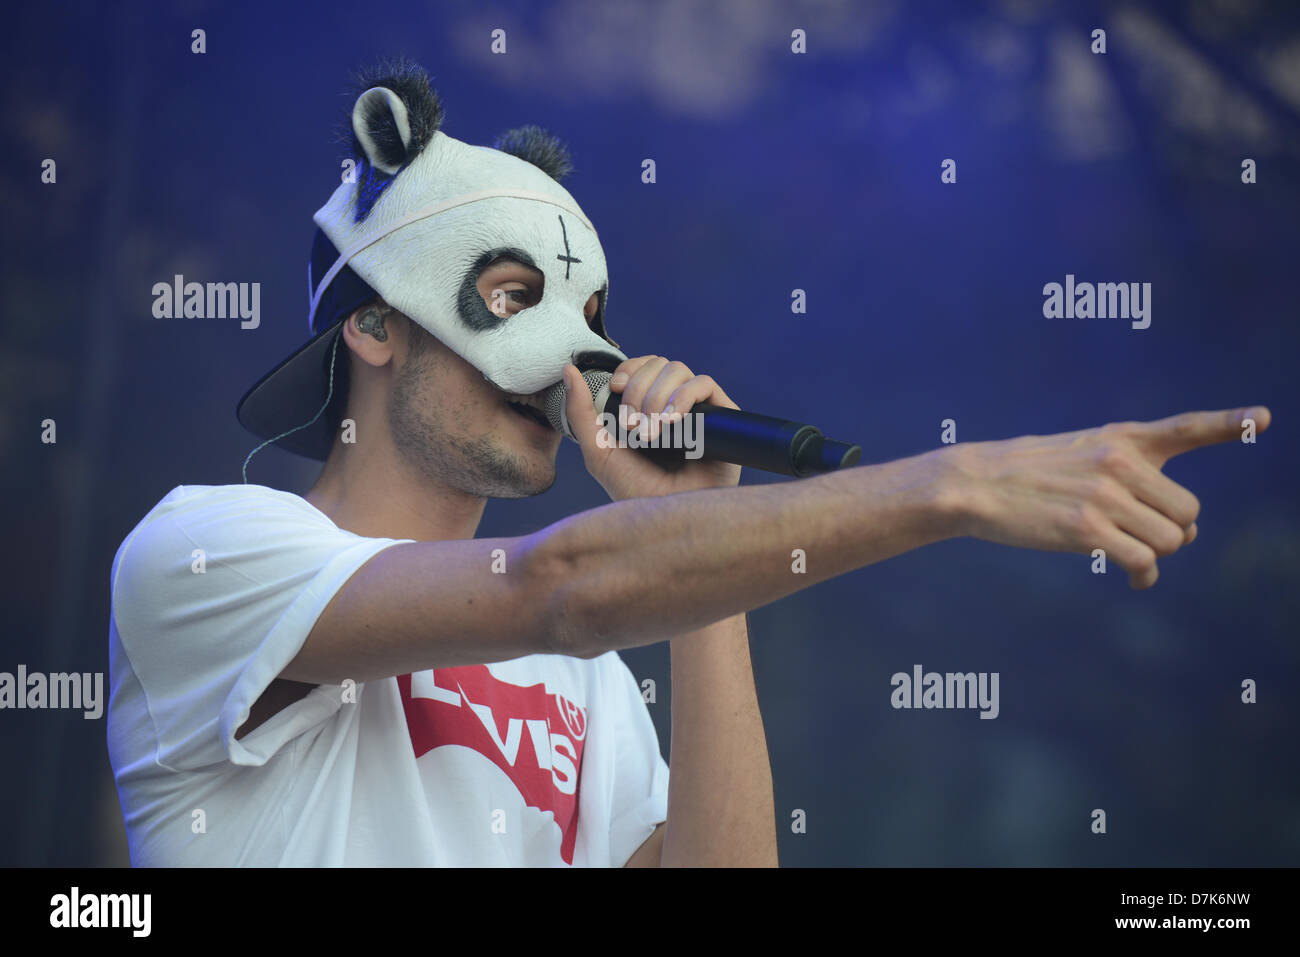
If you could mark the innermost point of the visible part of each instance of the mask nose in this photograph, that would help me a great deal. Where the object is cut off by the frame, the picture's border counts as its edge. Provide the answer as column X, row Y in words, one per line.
column 596, row 359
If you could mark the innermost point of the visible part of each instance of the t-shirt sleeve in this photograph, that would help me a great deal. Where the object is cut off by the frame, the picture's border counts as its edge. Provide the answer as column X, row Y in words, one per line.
column 214, row 592
column 640, row 801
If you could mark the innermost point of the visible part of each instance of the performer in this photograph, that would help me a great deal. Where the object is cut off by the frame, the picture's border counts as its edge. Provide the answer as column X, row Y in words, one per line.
column 350, row 677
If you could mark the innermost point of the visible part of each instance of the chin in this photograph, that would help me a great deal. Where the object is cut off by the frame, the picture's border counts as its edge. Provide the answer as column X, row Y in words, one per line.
column 530, row 490
column 525, row 483
column 525, row 467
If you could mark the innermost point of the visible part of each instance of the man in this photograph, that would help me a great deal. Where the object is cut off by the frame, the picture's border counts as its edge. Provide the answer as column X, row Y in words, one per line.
column 349, row 677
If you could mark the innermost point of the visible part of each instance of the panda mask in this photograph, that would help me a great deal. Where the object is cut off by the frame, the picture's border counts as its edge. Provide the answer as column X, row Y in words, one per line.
column 423, row 215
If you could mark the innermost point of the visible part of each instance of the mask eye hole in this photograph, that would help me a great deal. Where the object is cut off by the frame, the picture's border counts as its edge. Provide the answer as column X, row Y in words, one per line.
column 592, row 313
column 509, row 286
column 596, row 317
column 508, row 298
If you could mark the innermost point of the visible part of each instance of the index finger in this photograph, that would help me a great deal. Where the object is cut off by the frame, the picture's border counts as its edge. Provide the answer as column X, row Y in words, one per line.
column 1192, row 430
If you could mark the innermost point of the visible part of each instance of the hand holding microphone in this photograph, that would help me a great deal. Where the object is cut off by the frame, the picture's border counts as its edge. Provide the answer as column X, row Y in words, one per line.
column 663, row 393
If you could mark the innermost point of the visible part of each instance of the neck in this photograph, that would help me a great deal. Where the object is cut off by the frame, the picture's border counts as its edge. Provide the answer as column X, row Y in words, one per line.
column 376, row 495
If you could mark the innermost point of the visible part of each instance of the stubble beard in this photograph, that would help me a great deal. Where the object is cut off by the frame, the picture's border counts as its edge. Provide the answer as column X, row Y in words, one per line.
column 477, row 465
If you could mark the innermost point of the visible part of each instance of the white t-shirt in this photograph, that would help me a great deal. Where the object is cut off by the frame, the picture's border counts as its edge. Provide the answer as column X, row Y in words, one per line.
column 542, row 761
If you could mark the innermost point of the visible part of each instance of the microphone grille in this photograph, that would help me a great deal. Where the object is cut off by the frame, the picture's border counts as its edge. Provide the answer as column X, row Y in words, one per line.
column 556, row 395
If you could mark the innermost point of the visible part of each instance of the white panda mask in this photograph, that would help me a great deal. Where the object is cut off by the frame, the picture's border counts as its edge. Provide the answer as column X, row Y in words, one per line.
column 428, row 212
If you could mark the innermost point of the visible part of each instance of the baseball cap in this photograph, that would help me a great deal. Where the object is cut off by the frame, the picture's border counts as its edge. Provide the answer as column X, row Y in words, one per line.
column 285, row 407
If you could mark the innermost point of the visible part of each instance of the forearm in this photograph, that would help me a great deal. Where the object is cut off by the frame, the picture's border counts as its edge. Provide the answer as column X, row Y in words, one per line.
column 644, row 570
column 720, row 809
column 626, row 574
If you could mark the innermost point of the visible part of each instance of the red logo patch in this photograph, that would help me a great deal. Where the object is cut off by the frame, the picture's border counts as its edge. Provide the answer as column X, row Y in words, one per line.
column 535, row 737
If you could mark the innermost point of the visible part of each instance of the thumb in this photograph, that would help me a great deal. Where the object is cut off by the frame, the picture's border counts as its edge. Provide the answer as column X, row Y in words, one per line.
column 580, row 410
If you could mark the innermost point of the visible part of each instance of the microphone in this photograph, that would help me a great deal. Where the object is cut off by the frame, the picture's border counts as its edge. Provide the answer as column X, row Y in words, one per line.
column 727, row 435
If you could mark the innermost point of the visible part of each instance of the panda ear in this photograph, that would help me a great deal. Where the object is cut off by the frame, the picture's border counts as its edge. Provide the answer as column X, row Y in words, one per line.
column 382, row 127
column 540, row 147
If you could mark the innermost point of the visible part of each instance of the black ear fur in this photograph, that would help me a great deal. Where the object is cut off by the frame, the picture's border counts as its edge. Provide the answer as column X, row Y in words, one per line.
column 424, row 115
column 539, row 147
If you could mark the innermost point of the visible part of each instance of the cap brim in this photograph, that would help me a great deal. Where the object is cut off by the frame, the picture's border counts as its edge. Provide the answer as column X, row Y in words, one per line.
column 292, row 395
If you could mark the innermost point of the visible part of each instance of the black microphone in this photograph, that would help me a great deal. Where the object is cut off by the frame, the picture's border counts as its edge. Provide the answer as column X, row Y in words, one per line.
column 725, row 435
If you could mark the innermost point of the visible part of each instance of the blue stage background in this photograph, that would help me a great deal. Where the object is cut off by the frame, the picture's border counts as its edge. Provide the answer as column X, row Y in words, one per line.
column 776, row 171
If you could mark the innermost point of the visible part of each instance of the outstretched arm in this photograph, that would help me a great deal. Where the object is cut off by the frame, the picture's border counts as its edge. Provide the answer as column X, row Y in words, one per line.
column 642, row 570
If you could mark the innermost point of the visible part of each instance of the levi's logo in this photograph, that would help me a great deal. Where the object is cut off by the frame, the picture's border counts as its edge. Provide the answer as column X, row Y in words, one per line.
column 470, row 707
